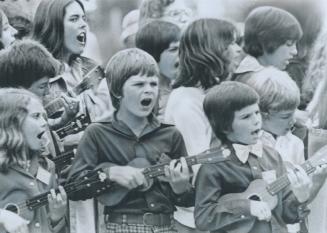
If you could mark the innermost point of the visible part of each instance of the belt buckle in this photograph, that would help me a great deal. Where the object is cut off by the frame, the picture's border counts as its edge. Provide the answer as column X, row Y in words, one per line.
column 145, row 218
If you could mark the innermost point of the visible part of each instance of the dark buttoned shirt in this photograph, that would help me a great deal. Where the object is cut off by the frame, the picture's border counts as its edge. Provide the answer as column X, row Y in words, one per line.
column 234, row 176
column 113, row 143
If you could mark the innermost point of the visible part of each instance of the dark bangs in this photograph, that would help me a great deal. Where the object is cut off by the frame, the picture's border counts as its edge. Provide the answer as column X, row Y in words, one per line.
column 156, row 36
column 123, row 65
column 221, row 103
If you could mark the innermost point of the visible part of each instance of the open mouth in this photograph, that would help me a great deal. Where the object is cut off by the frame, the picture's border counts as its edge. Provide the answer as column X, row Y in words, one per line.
column 255, row 132
column 82, row 37
column 146, row 102
column 39, row 136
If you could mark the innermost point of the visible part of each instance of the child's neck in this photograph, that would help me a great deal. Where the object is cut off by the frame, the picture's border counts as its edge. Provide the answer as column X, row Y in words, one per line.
column 164, row 82
column 136, row 124
column 274, row 135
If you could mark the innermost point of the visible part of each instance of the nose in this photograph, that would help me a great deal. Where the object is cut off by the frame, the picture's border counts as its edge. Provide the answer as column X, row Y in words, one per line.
column 237, row 48
column 257, row 119
column 13, row 30
column 293, row 49
column 47, row 90
column 83, row 23
column 43, row 121
column 148, row 88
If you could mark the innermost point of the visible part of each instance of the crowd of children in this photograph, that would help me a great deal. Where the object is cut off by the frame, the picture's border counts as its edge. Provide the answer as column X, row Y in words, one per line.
column 195, row 127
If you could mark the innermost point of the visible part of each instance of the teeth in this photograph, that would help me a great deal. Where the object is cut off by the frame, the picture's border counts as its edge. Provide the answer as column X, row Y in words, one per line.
column 82, row 37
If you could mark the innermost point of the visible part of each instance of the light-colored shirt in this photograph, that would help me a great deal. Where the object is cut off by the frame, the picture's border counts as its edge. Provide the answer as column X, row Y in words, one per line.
column 289, row 146
column 185, row 110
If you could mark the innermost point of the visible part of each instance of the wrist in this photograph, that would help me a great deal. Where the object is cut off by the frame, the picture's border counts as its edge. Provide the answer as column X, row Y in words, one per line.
column 55, row 219
column 180, row 189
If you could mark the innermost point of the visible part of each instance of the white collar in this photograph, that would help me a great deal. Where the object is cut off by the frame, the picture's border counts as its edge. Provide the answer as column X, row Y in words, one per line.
column 242, row 151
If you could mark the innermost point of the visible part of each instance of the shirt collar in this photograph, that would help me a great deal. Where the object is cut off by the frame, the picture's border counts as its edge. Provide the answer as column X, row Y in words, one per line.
column 119, row 125
column 248, row 64
column 242, row 151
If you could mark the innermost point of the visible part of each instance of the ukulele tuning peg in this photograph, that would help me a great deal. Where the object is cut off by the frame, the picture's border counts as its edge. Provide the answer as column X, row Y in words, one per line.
column 226, row 152
column 102, row 176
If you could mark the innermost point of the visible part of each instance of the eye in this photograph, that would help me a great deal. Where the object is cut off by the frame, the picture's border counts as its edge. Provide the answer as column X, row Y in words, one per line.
column 154, row 84
column 73, row 19
column 36, row 115
column 246, row 116
column 139, row 84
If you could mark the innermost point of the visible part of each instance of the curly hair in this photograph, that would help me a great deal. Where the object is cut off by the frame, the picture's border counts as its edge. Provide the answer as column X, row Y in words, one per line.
column 202, row 53
column 13, row 112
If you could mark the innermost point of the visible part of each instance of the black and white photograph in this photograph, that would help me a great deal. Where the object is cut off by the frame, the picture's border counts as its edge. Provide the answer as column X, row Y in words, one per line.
column 163, row 116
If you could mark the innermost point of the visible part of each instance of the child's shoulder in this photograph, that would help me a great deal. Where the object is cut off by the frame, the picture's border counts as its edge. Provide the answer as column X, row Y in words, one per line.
column 169, row 127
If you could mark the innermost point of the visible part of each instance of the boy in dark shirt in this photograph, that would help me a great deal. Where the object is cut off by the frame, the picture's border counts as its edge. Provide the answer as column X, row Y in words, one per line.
column 132, row 140
column 237, row 123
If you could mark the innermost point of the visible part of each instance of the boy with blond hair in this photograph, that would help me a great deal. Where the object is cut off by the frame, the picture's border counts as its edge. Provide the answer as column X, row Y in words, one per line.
column 279, row 99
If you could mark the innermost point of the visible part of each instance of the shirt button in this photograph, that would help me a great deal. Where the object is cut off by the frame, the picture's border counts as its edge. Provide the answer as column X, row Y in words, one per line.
column 254, row 168
column 242, row 216
column 32, row 183
column 152, row 205
column 37, row 224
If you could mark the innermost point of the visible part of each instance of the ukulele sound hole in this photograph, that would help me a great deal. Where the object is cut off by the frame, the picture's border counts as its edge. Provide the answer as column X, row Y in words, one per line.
column 12, row 207
column 255, row 198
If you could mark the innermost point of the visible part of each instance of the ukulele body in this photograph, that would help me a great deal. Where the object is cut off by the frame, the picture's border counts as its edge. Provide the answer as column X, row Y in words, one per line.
column 256, row 191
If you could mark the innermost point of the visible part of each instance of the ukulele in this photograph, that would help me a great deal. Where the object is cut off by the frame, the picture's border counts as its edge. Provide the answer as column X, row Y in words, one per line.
column 64, row 159
column 259, row 190
column 79, row 124
column 214, row 155
column 95, row 179
column 91, row 79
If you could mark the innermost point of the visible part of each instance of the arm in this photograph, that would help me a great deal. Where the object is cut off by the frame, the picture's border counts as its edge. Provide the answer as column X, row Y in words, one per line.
column 90, row 157
column 209, row 213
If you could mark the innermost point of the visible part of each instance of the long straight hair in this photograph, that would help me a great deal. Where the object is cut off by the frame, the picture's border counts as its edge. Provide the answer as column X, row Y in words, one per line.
column 49, row 25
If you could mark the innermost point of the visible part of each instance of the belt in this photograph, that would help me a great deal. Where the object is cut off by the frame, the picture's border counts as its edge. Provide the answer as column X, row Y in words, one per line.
column 147, row 219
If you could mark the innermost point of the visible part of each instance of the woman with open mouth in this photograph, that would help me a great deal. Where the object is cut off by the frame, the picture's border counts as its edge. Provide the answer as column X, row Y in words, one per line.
column 24, row 172
column 61, row 26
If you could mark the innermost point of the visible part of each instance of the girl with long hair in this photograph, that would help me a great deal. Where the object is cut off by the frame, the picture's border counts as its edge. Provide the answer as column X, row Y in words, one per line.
column 61, row 26
column 208, row 53
column 24, row 173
